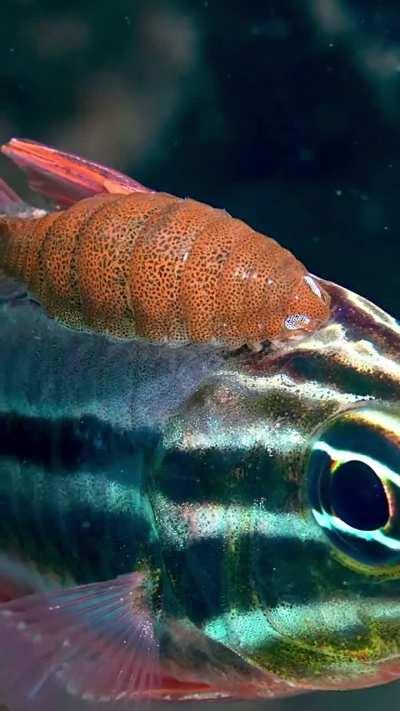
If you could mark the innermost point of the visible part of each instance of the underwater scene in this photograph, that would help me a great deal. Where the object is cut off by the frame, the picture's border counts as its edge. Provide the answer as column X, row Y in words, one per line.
column 199, row 355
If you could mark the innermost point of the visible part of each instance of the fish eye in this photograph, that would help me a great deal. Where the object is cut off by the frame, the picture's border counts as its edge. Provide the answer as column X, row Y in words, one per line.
column 353, row 477
column 358, row 496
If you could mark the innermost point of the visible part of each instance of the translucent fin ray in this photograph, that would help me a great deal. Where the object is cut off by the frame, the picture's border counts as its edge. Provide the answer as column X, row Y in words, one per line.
column 8, row 196
column 71, row 648
column 64, row 177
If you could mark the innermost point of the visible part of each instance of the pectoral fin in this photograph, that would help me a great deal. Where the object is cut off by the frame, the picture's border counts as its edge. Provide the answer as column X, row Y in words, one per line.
column 71, row 648
column 64, row 177
column 104, row 646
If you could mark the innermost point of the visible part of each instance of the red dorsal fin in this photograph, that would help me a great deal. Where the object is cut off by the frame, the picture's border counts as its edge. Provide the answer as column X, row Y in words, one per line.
column 64, row 177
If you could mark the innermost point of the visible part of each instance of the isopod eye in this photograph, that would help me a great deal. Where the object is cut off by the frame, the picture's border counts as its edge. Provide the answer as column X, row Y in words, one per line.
column 308, row 308
column 354, row 483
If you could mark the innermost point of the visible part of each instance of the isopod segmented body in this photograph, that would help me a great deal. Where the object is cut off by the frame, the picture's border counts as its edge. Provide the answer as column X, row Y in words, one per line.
column 166, row 268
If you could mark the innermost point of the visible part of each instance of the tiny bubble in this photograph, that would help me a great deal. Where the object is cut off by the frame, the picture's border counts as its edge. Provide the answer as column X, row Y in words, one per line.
column 331, row 44
column 12, row 49
column 339, row 192
column 386, row 227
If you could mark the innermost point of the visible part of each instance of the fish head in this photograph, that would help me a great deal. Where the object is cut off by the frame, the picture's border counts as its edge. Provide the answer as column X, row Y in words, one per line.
column 277, row 494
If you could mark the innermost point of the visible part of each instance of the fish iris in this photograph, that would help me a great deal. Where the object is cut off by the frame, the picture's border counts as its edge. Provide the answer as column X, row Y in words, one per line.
column 354, row 483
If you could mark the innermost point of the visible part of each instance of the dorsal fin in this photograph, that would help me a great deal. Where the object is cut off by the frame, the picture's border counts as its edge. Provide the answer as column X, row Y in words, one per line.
column 8, row 198
column 64, row 177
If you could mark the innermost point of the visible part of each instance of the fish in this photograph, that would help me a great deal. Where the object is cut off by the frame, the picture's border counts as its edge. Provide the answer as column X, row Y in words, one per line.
column 130, row 261
column 193, row 522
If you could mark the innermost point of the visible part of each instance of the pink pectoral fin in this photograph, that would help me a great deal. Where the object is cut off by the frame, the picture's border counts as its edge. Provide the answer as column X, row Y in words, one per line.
column 70, row 648
column 64, row 177
column 104, row 646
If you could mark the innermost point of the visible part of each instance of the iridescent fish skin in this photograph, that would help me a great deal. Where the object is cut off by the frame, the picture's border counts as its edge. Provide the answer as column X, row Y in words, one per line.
column 197, row 467
column 255, row 564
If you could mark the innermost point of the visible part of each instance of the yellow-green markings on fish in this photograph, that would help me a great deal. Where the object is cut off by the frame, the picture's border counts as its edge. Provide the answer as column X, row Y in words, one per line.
column 287, row 654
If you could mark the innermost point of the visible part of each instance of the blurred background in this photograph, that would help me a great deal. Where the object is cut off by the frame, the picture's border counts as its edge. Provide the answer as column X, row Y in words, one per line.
column 286, row 113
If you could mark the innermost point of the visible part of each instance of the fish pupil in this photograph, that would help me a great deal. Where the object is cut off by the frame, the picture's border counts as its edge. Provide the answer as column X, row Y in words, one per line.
column 358, row 496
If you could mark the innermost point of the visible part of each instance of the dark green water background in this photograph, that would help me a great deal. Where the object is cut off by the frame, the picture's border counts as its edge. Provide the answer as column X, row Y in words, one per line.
column 285, row 112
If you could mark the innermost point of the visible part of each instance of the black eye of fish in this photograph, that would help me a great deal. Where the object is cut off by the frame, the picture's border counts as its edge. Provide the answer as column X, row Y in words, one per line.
column 354, row 483
column 358, row 496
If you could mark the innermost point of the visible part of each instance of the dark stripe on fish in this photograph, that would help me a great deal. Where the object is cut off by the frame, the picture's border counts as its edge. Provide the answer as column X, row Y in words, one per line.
column 214, row 575
column 68, row 484
column 328, row 371
column 78, row 526
column 67, row 445
column 235, row 475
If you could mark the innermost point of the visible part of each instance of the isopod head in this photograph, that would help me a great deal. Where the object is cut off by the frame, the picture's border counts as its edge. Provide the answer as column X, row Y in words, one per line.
column 307, row 309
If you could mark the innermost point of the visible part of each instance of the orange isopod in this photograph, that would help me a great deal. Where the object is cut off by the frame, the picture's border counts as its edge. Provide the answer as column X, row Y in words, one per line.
column 129, row 262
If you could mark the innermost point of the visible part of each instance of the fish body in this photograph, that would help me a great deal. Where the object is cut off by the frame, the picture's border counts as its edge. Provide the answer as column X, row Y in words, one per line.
column 193, row 468
column 162, row 267
column 196, row 523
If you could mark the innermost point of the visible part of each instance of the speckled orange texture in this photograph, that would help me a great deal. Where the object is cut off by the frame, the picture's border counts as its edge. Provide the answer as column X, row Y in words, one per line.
column 58, row 252
column 202, row 275
column 111, row 238
column 157, row 272
column 13, row 247
column 166, row 268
